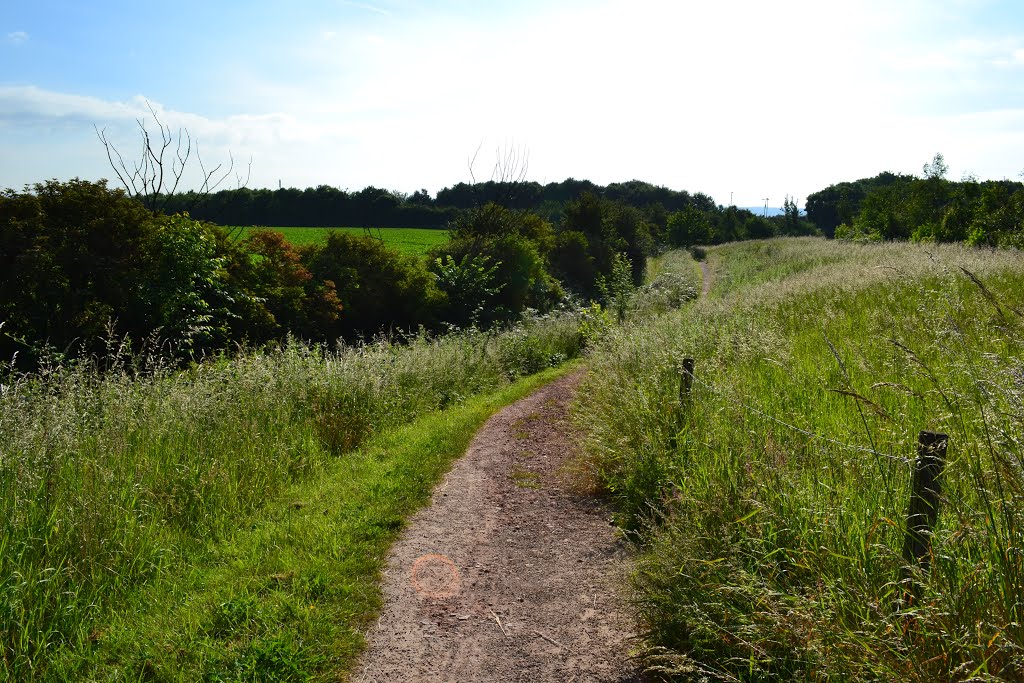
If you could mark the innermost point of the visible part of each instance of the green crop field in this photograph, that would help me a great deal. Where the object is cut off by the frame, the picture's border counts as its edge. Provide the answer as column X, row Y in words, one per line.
column 413, row 241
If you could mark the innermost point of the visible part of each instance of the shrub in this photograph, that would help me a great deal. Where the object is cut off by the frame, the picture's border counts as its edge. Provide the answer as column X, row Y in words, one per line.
column 380, row 289
column 520, row 278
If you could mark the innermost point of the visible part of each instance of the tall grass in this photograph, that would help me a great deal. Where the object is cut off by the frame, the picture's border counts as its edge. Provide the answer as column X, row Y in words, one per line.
column 771, row 502
column 110, row 480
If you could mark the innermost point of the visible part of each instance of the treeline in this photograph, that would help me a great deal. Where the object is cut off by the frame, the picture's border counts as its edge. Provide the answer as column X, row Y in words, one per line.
column 82, row 265
column 325, row 206
column 927, row 209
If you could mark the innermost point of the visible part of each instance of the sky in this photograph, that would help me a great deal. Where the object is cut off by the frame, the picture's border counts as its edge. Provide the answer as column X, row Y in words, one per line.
column 740, row 100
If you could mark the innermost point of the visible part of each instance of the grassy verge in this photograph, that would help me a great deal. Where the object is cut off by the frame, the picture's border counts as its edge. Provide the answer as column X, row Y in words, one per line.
column 112, row 483
column 287, row 598
column 672, row 279
column 771, row 501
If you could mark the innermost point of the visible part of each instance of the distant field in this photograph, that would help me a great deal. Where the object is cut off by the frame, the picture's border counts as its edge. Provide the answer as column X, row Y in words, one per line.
column 414, row 241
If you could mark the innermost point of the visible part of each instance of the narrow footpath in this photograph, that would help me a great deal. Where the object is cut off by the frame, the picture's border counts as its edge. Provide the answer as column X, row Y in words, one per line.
column 511, row 574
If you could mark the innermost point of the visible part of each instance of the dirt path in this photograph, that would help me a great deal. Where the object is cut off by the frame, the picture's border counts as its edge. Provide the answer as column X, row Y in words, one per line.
column 705, row 271
column 509, row 575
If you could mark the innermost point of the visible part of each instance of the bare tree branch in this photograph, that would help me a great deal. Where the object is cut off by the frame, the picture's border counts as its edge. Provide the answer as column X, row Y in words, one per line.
column 156, row 176
column 471, row 162
column 511, row 165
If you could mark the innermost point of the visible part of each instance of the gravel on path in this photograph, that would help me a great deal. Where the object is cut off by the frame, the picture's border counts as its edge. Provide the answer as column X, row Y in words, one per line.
column 512, row 573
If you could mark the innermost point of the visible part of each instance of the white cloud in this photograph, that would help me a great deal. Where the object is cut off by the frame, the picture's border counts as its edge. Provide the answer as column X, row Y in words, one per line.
column 764, row 99
column 366, row 6
column 26, row 104
column 17, row 37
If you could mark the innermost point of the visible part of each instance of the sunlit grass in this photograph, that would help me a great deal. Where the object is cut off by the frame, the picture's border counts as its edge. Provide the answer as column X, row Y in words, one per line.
column 113, row 482
column 775, row 554
column 289, row 596
column 411, row 241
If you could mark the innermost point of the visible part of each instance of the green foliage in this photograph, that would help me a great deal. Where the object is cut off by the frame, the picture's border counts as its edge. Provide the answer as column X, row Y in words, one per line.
column 81, row 262
column 936, row 169
column 928, row 209
column 493, row 221
column 607, row 229
column 504, row 254
column 470, row 287
column 380, row 289
column 618, row 288
column 594, row 325
column 571, row 260
column 72, row 256
column 838, row 204
column 190, row 287
column 689, row 227
column 293, row 299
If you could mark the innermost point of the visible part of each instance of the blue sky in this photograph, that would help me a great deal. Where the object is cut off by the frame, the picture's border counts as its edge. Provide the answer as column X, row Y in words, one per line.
column 758, row 99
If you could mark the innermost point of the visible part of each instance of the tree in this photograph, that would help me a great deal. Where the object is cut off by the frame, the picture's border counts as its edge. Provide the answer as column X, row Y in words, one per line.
column 689, row 227
column 79, row 261
column 936, row 168
column 380, row 288
column 153, row 178
column 470, row 287
column 296, row 301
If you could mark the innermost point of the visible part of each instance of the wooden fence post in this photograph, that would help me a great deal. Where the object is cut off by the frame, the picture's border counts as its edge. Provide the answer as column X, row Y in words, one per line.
column 686, row 381
column 923, row 510
column 685, row 385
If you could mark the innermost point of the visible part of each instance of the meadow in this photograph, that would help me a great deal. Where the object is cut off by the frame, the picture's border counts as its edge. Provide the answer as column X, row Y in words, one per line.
column 769, row 502
column 228, row 522
column 410, row 241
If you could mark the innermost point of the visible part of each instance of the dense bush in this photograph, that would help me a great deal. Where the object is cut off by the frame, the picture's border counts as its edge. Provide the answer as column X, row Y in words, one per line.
column 81, row 264
column 510, row 276
column 380, row 289
column 79, row 260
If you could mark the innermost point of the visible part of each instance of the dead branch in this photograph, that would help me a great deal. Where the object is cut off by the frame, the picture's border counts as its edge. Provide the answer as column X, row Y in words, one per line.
column 153, row 179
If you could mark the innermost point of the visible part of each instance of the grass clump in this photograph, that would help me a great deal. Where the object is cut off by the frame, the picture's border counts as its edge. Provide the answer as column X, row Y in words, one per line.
column 113, row 482
column 771, row 501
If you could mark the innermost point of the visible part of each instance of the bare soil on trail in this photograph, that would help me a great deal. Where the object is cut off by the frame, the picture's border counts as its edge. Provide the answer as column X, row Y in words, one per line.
column 512, row 573
column 706, row 276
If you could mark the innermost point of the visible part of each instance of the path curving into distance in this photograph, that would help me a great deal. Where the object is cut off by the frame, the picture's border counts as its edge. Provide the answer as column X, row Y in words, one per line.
column 510, row 574
column 705, row 272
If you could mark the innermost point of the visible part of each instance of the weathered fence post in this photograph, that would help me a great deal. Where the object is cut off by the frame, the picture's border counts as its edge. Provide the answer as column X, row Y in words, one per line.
column 685, row 386
column 686, row 381
column 923, row 510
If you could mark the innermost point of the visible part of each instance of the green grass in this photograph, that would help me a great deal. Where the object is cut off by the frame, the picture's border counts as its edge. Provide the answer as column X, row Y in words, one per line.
column 774, row 555
column 411, row 241
column 289, row 597
column 122, row 494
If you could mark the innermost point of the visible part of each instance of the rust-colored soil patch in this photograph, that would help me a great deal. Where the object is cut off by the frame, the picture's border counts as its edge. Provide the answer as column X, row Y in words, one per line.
column 510, row 574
